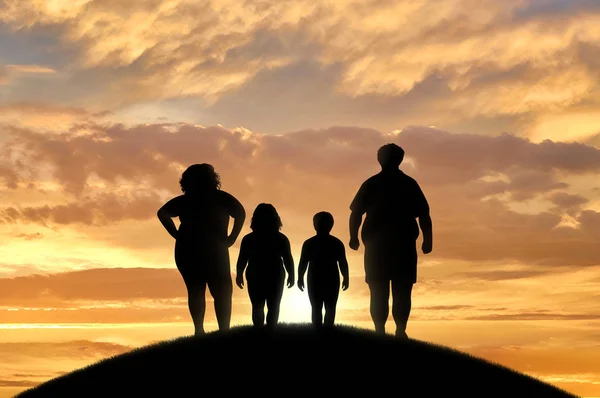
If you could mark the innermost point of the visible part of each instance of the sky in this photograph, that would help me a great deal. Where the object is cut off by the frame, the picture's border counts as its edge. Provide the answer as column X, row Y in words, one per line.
column 104, row 103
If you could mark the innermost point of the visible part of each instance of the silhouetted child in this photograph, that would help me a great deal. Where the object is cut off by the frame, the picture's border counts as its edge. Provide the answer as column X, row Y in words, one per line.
column 324, row 253
column 268, row 255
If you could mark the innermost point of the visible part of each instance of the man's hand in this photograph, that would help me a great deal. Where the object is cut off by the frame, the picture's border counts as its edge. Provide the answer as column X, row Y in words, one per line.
column 301, row 284
column 239, row 281
column 345, row 284
column 426, row 246
column 290, row 281
column 354, row 244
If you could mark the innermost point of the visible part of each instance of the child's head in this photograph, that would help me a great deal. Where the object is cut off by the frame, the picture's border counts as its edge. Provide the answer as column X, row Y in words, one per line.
column 265, row 219
column 323, row 222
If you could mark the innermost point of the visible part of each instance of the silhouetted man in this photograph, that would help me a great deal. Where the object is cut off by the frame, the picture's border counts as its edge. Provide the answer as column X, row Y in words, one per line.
column 392, row 202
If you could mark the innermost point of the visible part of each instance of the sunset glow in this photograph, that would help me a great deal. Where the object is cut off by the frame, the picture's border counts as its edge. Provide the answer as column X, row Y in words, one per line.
column 104, row 103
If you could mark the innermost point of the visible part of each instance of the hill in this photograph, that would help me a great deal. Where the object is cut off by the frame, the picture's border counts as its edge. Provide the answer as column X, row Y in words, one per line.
column 294, row 360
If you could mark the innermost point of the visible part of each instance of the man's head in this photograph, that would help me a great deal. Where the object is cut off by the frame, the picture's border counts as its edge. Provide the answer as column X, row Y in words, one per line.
column 323, row 222
column 390, row 156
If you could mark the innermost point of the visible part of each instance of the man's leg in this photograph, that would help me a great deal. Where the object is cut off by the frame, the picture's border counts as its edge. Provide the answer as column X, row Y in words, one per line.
column 401, row 293
column 380, row 309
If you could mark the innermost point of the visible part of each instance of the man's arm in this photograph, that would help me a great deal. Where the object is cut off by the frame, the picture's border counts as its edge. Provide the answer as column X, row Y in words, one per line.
column 357, row 208
column 302, row 266
column 424, row 220
column 288, row 262
column 166, row 214
column 355, row 221
column 427, row 229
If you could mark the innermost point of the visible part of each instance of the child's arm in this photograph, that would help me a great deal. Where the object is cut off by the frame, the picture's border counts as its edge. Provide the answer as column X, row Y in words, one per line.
column 242, row 262
column 302, row 266
column 343, row 264
column 288, row 261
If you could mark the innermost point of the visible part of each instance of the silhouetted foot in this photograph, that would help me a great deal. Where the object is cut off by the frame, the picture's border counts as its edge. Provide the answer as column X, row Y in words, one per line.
column 199, row 333
column 401, row 334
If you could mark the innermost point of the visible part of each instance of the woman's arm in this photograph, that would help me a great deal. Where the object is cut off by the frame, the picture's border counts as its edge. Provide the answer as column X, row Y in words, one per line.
column 239, row 216
column 166, row 214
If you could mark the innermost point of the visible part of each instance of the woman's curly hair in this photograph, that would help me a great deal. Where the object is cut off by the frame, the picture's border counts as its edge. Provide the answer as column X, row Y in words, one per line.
column 199, row 177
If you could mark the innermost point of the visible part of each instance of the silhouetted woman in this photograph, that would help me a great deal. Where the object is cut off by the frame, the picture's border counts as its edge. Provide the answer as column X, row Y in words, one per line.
column 201, row 242
column 268, row 255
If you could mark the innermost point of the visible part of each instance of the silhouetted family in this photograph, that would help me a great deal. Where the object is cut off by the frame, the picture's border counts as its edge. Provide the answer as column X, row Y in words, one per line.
column 392, row 202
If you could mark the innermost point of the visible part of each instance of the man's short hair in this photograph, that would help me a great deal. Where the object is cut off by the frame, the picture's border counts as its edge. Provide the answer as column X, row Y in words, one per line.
column 390, row 155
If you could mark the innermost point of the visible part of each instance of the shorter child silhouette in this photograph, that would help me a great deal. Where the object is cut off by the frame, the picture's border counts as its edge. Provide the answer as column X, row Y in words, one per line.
column 324, row 253
column 266, row 252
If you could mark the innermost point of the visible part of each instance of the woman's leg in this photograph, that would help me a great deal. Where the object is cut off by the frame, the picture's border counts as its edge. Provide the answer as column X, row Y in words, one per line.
column 274, row 300
column 197, row 306
column 221, row 290
column 186, row 263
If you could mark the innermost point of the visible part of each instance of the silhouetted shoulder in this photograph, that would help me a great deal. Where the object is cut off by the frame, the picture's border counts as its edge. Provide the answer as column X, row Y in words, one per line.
column 421, row 205
column 233, row 205
column 174, row 207
column 340, row 248
column 360, row 202
column 285, row 242
column 247, row 239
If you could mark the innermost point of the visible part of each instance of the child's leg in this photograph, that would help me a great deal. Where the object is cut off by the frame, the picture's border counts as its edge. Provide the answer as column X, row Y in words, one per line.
column 330, row 306
column 316, row 303
column 257, row 298
column 274, row 301
column 331, row 297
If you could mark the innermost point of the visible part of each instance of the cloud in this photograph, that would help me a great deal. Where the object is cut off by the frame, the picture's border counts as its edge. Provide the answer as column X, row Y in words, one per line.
column 34, row 236
column 75, row 349
column 478, row 186
column 535, row 317
column 492, row 58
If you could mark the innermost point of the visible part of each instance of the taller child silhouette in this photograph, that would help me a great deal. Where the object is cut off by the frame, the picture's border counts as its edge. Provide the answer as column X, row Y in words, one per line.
column 392, row 202
column 267, row 254
column 201, row 242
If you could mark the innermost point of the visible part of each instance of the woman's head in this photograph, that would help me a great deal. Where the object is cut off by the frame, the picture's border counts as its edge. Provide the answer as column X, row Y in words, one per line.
column 265, row 219
column 199, row 177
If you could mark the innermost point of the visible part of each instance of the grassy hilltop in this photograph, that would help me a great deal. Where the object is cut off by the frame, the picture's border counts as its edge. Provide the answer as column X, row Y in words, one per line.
column 294, row 360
